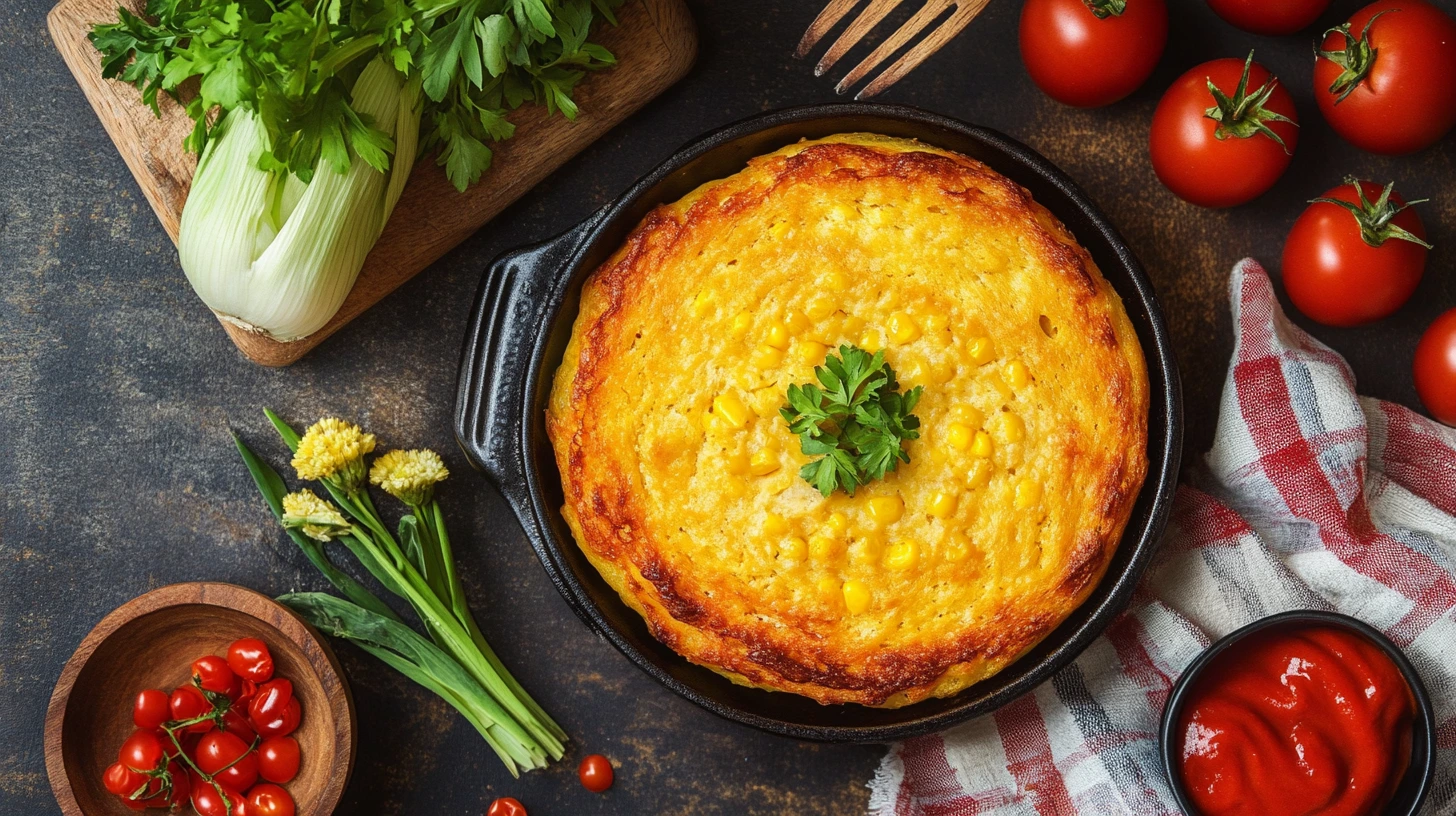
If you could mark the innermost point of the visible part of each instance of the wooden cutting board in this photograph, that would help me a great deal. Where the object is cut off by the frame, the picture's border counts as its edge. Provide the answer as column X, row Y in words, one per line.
column 655, row 44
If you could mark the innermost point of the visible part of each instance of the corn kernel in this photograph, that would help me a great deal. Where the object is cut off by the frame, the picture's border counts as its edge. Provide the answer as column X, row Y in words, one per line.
column 856, row 596
column 867, row 551
column 870, row 341
column 796, row 322
column 1028, row 493
column 902, row 555
column 775, row 524
column 935, row 322
column 957, row 548
column 819, row 308
column 1017, row 374
column 942, row 372
column 712, row 423
column 981, row 350
column 778, row 335
column 978, row 474
column 793, row 548
column 811, row 351
column 766, row 357
column 914, row 370
column 742, row 322
column 823, row 548
column 735, row 488
column 885, row 510
column 853, row 325
column 942, row 504
column 829, row 589
column 959, row 436
column 763, row 462
column 838, row 523
column 704, row 301
column 732, row 410
column 967, row 415
column 981, row 446
column 836, row 281
column 903, row 328
column 1012, row 428
column 736, row 463
column 779, row 229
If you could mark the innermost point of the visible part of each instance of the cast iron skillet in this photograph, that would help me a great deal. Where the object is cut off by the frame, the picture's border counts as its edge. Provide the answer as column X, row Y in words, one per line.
column 522, row 322
column 1413, row 787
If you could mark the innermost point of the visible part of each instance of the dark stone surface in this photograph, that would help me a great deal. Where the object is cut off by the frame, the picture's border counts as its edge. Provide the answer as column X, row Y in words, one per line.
column 117, row 391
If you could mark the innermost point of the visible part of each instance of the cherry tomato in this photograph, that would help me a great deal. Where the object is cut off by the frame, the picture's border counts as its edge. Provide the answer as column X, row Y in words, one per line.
column 187, row 703
column 1223, row 163
column 181, row 785
column 151, row 709
column 1091, row 53
column 272, row 697
column 1386, row 80
column 506, row 806
column 207, row 802
column 250, row 659
column 1435, row 368
column 285, row 724
column 1344, row 263
column 142, row 751
column 242, row 691
column 278, row 759
column 212, row 674
column 121, row 780
column 1269, row 17
column 269, row 800
column 235, row 722
column 219, row 750
column 595, row 773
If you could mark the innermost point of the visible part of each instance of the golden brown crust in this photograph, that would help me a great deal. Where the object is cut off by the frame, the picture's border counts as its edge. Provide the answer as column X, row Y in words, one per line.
column 656, row 492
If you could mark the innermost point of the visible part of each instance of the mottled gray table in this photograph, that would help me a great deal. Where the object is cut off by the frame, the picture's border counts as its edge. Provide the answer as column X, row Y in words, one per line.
column 117, row 391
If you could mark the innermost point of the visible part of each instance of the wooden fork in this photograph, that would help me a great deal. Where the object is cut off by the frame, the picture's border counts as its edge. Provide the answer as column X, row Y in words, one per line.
column 965, row 11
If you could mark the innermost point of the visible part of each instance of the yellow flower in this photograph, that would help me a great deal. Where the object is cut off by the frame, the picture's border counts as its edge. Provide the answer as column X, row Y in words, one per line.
column 317, row 518
column 409, row 475
column 333, row 450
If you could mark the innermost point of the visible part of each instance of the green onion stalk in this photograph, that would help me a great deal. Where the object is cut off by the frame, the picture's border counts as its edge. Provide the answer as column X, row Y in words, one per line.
column 416, row 564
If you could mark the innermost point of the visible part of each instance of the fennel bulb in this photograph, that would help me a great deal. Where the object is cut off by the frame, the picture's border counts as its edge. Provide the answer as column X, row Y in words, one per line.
column 273, row 254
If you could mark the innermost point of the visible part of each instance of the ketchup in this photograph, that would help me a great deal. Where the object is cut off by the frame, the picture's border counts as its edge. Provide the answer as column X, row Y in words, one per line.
column 1300, row 719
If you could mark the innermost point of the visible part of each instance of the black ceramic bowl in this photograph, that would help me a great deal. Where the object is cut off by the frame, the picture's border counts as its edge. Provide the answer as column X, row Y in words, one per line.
column 521, row 325
column 1417, row 781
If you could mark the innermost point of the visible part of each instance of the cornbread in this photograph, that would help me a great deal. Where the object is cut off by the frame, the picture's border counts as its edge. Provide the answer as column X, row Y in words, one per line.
column 681, row 479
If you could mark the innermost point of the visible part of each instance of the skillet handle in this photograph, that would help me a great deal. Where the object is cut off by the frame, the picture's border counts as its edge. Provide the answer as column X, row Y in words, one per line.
column 519, row 295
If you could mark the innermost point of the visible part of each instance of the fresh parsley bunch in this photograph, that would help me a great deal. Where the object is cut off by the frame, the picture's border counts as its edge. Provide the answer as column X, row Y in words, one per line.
column 293, row 62
column 855, row 423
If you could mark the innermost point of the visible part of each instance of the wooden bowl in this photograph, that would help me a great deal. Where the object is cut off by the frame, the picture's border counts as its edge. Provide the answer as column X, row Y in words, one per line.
column 150, row 642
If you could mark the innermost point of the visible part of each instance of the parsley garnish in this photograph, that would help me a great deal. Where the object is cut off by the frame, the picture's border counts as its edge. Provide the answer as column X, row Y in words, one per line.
column 855, row 424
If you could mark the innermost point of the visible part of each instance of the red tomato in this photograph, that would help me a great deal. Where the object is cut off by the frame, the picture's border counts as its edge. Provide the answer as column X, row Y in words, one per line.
column 506, row 806
column 151, row 709
column 242, row 691
column 272, row 697
column 1270, row 17
column 207, row 802
column 1436, row 368
column 278, row 759
column 181, row 785
column 269, row 800
column 595, row 773
column 121, row 780
column 1215, row 163
column 1333, row 269
column 1386, row 80
column 235, row 722
column 285, row 724
column 187, row 703
column 142, row 751
column 250, row 659
column 1091, row 53
column 212, row 673
column 227, row 759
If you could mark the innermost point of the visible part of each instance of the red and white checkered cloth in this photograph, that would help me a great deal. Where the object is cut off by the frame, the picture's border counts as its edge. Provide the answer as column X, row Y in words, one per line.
column 1312, row 498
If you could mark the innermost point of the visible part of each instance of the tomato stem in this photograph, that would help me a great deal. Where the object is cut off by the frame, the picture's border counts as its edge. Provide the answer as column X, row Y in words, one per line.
column 1106, row 8
column 1243, row 115
column 1374, row 217
column 1356, row 60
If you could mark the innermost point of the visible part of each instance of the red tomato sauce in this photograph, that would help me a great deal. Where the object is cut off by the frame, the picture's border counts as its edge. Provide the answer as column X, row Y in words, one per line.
column 1304, row 719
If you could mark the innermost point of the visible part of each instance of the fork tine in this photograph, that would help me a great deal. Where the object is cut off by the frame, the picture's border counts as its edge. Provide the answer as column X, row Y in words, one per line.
column 922, row 18
column 868, row 19
column 832, row 13
column 966, row 11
